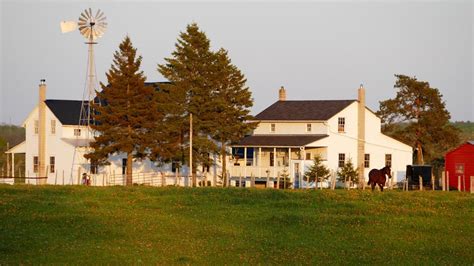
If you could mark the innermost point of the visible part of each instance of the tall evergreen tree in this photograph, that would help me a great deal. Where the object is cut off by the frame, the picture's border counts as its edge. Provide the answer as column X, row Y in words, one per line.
column 127, row 114
column 418, row 116
column 232, row 101
column 190, row 72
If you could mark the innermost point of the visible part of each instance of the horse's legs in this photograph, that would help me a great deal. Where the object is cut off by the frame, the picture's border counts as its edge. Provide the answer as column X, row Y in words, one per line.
column 373, row 186
column 381, row 187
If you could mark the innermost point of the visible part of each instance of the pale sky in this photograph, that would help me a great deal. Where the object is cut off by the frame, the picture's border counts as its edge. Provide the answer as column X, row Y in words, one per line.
column 317, row 50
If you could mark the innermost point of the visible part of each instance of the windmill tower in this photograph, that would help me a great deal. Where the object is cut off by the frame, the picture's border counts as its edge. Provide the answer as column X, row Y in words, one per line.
column 91, row 26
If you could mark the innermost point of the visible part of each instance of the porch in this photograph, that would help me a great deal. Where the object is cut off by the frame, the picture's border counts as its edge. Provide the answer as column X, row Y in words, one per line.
column 253, row 166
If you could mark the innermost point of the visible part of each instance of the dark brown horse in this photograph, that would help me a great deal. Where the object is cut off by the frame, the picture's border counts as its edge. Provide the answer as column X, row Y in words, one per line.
column 377, row 177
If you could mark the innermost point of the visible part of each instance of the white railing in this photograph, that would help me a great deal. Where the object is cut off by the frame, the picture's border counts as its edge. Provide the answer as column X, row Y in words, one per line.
column 258, row 171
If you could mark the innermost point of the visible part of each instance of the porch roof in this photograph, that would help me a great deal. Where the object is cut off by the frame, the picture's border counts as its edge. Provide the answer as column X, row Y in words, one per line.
column 278, row 140
column 19, row 148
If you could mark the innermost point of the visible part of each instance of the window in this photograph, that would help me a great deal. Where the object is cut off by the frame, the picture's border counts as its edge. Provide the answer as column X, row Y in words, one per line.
column 52, row 164
column 53, row 126
column 341, row 123
column 342, row 159
column 36, row 126
column 388, row 160
column 308, row 127
column 366, row 160
column 77, row 132
column 272, row 127
column 94, row 167
column 124, row 166
column 308, row 156
column 459, row 168
column 174, row 166
column 35, row 164
column 272, row 159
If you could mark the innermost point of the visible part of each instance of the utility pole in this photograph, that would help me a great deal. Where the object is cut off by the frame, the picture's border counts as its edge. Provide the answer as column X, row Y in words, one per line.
column 191, row 148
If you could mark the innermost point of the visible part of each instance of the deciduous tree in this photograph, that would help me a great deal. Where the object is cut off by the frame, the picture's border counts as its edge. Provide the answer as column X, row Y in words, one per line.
column 418, row 116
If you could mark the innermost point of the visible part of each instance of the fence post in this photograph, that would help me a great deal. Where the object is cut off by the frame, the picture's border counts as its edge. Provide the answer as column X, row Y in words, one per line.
column 443, row 180
column 459, row 183
column 333, row 181
column 447, row 180
column 421, row 182
column 463, row 183
column 432, row 181
column 472, row 184
column 278, row 180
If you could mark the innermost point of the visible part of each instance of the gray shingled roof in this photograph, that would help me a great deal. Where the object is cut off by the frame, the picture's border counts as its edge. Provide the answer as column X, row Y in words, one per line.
column 67, row 111
column 303, row 110
column 279, row 140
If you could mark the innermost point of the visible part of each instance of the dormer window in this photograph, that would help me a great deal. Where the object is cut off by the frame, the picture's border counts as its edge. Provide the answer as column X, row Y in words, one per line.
column 272, row 128
column 341, row 123
column 77, row 132
column 308, row 127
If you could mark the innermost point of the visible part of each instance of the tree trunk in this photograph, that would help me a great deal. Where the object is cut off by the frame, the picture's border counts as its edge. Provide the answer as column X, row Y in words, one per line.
column 129, row 169
column 224, row 164
column 419, row 154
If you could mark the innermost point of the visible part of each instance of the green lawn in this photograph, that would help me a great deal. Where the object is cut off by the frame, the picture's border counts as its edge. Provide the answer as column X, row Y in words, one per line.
column 117, row 225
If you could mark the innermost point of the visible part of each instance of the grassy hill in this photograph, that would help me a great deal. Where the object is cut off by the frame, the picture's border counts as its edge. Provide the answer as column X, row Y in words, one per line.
column 130, row 225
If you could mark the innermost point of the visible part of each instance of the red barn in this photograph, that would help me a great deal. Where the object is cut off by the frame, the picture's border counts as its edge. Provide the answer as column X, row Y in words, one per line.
column 460, row 162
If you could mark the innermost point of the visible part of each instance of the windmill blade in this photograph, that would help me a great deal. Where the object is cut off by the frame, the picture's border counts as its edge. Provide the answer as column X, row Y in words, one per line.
column 97, row 13
column 68, row 26
column 84, row 15
column 101, row 15
column 87, row 13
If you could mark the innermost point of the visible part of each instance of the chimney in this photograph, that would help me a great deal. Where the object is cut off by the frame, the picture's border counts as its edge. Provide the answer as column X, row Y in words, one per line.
column 282, row 94
column 361, row 134
column 42, row 132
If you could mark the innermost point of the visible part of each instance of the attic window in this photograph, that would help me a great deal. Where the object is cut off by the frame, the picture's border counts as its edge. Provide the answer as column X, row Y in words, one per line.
column 341, row 123
column 77, row 132
column 308, row 127
column 272, row 128
column 53, row 126
column 36, row 126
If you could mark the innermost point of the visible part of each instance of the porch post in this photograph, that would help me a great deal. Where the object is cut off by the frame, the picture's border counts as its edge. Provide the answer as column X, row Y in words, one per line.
column 13, row 165
column 254, row 158
column 302, row 172
column 245, row 162
column 259, row 162
column 274, row 161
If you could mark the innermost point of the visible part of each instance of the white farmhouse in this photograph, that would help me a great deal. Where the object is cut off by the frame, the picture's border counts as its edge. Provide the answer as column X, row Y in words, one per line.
column 291, row 133
column 55, row 144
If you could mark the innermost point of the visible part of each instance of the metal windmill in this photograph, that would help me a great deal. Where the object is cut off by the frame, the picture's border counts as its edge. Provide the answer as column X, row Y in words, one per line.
column 91, row 26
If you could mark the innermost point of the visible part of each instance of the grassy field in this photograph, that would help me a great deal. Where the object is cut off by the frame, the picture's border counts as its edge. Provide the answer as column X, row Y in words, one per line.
column 117, row 225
